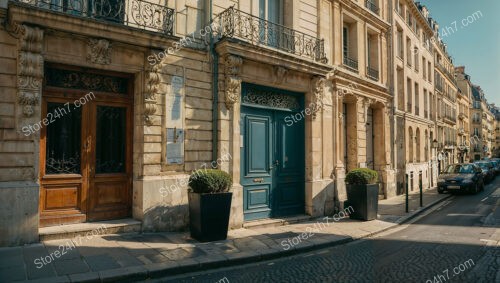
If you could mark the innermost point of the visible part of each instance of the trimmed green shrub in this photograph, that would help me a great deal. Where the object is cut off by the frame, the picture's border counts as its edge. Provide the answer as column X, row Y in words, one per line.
column 362, row 176
column 210, row 181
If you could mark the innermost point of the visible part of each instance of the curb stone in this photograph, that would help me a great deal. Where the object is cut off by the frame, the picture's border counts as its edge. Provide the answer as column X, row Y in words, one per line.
column 158, row 270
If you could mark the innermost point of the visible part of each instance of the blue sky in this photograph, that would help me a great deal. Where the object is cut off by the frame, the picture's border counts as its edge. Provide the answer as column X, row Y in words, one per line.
column 475, row 45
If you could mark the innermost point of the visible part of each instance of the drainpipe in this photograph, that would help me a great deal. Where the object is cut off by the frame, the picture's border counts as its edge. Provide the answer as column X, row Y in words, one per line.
column 215, row 90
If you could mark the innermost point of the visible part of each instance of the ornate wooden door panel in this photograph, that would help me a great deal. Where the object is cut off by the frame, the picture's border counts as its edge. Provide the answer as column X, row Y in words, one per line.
column 85, row 156
column 63, row 182
column 109, row 194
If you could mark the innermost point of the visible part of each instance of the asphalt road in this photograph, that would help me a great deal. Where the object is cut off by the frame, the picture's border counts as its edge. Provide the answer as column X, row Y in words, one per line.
column 448, row 244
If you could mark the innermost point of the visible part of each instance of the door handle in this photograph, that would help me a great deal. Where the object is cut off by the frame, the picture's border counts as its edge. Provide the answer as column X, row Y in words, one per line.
column 276, row 164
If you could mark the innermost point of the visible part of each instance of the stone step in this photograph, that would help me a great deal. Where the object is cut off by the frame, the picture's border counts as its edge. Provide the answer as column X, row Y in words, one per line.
column 275, row 222
column 70, row 231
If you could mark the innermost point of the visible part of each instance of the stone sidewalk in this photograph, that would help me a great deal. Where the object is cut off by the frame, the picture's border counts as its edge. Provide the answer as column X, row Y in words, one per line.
column 128, row 257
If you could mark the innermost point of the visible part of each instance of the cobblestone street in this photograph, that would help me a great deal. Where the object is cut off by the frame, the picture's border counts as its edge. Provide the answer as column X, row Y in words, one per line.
column 437, row 244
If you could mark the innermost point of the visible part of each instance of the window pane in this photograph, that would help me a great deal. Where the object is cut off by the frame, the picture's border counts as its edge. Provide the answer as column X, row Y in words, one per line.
column 110, row 138
column 63, row 140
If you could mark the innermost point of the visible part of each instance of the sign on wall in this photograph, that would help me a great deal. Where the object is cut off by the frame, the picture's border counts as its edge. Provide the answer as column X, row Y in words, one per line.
column 174, row 110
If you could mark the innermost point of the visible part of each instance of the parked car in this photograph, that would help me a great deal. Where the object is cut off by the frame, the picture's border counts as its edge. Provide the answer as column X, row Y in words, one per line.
column 461, row 178
column 496, row 162
column 488, row 170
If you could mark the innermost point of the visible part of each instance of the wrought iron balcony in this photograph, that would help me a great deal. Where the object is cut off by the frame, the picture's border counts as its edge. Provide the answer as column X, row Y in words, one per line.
column 351, row 63
column 133, row 13
column 371, row 6
column 233, row 23
column 372, row 73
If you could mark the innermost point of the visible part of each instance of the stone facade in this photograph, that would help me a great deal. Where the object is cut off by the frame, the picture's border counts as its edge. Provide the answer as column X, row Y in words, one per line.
column 364, row 69
column 415, row 97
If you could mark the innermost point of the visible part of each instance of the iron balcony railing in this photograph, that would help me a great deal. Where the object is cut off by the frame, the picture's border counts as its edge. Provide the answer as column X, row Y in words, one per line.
column 233, row 23
column 133, row 13
column 372, row 73
column 351, row 63
column 371, row 6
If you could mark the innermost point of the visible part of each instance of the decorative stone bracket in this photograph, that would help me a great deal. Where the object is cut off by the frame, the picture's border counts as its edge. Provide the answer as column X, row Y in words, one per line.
column 30, row 67
column 233, row 81
column 317, row 90
column 152, row 84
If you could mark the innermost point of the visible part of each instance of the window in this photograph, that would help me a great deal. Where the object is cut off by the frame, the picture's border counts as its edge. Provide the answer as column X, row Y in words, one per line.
column 415, row 59
column 417, row 100
column 424, row 69
column 429, row 74
column 426, row 105
column 349, row 44
column 397, row 6
column 408, row 51
column 271, row 10
column 399, row 36
column 409, row 95
column 345, row 38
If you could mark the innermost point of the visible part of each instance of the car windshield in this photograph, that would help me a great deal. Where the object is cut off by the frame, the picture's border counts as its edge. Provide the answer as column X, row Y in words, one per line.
column 461, row 169
column 483, row 165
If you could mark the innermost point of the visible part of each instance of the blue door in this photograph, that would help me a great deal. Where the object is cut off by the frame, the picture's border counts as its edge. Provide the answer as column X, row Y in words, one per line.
column 272, row 162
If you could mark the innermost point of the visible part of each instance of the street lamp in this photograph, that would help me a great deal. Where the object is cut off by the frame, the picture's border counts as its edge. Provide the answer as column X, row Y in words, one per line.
column 435, row 144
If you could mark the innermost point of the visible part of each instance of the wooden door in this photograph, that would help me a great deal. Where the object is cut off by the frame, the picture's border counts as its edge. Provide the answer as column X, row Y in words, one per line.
column 257, row 162
column 110, row 162
column 85, row 156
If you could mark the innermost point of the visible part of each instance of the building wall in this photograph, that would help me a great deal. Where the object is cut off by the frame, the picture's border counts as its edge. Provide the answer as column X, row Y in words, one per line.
column 413, row 73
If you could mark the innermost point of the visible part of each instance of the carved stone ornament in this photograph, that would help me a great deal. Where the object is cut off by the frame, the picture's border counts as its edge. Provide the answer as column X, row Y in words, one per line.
column 318, row 90
column 279, row 74
column 152, row 84
column 233, row 81
column 30, row 67
column 99, row 51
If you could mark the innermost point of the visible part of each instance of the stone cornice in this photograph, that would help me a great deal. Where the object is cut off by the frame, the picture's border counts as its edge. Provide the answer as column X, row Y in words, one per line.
column 423, row 21
column 364, row 84
column 51, row 20
column 271, row 56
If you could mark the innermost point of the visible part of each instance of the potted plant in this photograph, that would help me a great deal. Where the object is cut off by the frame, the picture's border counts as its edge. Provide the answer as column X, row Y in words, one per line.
column 209, row 204
column 362, row 193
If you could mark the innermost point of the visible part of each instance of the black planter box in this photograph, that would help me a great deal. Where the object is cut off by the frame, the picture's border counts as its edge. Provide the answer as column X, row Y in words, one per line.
column 209, row 216
column 364, row 201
